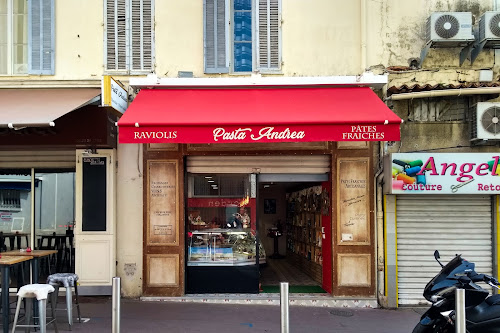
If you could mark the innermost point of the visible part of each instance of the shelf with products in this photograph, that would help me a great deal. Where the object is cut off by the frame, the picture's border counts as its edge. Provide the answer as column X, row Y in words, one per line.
column 304, row 227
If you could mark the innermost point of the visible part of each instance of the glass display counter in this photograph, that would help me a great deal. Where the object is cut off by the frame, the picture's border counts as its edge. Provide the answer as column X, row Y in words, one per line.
column 223, row 247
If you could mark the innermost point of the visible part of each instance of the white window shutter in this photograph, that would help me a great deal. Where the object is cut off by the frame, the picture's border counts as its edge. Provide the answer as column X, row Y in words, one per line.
column 41, row 45
column 116, row 35
column 269, row 35
column 142, row 30
column 216, row 35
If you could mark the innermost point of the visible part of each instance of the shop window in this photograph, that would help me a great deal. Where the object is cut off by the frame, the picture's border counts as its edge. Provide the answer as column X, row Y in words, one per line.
column 129, row 36
column 242, row 36
column 221, row 221
column 10, row 199
column 26, row 37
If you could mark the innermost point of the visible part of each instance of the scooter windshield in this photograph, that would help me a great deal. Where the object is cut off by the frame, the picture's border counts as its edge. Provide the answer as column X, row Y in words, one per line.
column 450, row 268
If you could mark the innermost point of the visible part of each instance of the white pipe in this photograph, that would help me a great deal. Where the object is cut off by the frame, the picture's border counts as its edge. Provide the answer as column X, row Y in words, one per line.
column 379, row 218
column 32, row 229
column 448, row 92
column 363, row 34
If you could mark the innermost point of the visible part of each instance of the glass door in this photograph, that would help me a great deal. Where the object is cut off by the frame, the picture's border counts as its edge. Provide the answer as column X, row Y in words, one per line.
column 222, row 244
column 55, row 219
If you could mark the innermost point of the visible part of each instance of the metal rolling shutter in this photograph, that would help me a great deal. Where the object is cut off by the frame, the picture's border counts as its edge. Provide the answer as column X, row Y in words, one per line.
column 305, row 164
column 19, row 159
column 450, row 224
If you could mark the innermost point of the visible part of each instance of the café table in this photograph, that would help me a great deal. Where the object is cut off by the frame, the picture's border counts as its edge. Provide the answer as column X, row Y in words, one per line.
column 6, row 262
column 35, row 255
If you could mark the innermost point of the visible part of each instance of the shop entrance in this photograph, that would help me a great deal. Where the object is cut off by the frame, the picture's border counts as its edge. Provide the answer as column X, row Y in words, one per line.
column 293, row 223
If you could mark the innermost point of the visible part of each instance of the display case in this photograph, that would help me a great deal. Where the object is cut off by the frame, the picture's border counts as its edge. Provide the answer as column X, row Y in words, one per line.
column 223, row 247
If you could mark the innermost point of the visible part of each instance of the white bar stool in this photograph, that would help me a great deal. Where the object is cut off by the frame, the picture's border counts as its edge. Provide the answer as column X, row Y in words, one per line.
column 68, row 281
column 40, row 292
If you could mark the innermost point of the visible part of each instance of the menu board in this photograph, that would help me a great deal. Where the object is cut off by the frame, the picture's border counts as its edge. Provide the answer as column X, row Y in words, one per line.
column 94, row 201
column 163, row 200
column 353, row 202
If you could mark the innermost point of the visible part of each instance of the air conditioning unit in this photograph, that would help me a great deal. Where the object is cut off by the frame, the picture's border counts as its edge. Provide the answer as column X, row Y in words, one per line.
column 449, row 29
column 485, row 124
column 489, row 28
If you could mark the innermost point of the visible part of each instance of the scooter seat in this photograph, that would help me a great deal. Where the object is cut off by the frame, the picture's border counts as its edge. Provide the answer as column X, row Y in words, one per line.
column 493, row 300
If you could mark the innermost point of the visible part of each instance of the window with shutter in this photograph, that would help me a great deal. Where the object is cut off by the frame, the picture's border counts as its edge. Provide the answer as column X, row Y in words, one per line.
column 216, row 31
column 129, row 36
column 269, row 35
column 13, row 37
column 41, row 45
column 253, row 43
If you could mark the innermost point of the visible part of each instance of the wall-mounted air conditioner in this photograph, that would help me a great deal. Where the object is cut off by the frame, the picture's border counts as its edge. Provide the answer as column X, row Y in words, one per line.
column 488, row 33
column 448, row 29
column 485, row 123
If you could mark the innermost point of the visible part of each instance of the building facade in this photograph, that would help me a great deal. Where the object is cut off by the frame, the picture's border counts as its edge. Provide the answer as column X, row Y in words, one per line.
column 171, row 45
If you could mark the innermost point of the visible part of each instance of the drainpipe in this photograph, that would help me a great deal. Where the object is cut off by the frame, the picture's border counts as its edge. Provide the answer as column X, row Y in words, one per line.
column 379, row 214
column 448, row 92
column 496, row 6
column 363, row 34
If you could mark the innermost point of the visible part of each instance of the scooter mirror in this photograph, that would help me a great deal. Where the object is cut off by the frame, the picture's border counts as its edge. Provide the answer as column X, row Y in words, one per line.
column 436, row 256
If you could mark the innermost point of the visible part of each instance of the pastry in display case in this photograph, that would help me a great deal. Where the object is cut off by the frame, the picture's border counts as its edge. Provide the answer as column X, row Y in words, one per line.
column 223, row 247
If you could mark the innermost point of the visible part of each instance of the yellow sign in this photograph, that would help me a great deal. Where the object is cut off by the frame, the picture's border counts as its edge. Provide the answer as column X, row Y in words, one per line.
column 114, row 94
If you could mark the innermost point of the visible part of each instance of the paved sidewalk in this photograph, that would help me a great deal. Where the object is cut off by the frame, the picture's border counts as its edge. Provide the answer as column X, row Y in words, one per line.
column 152, row 317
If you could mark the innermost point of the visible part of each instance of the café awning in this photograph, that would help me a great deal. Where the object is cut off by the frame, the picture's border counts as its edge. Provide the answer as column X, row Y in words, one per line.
column 21, row 108
column 264, row 114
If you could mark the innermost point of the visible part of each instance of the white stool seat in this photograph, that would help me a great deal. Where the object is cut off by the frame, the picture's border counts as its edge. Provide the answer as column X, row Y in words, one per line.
column 40, row 291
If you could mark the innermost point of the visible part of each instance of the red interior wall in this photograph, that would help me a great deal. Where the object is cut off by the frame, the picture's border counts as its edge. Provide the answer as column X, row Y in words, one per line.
column 326, row 248
column 224, row 202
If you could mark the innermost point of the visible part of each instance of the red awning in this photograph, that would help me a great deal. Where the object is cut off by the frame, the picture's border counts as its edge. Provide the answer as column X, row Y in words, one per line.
column 222, row 115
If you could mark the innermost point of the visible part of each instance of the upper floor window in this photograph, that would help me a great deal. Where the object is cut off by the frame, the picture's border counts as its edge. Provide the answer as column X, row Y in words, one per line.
column 129, row 36
column 26, row 37
column 242, row 36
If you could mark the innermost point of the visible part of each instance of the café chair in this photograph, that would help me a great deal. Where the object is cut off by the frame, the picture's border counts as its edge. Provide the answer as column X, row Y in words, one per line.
column 68, row 281
column 41, row 293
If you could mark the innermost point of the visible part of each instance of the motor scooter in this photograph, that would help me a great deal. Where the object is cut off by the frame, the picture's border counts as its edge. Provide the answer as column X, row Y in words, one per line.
column 482, row 310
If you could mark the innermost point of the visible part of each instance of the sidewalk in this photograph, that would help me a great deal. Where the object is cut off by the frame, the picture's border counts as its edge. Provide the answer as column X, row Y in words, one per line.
column 152, row 317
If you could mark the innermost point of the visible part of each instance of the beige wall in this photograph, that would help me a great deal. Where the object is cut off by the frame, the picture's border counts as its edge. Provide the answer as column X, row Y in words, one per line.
column 320, row 38
column 129, row 216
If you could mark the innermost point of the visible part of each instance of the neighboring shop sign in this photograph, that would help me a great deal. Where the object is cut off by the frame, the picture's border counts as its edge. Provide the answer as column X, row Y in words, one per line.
column 444, row 173
column 353, row 209
column 113, row 94
column 5, row 217
column 163, row 228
